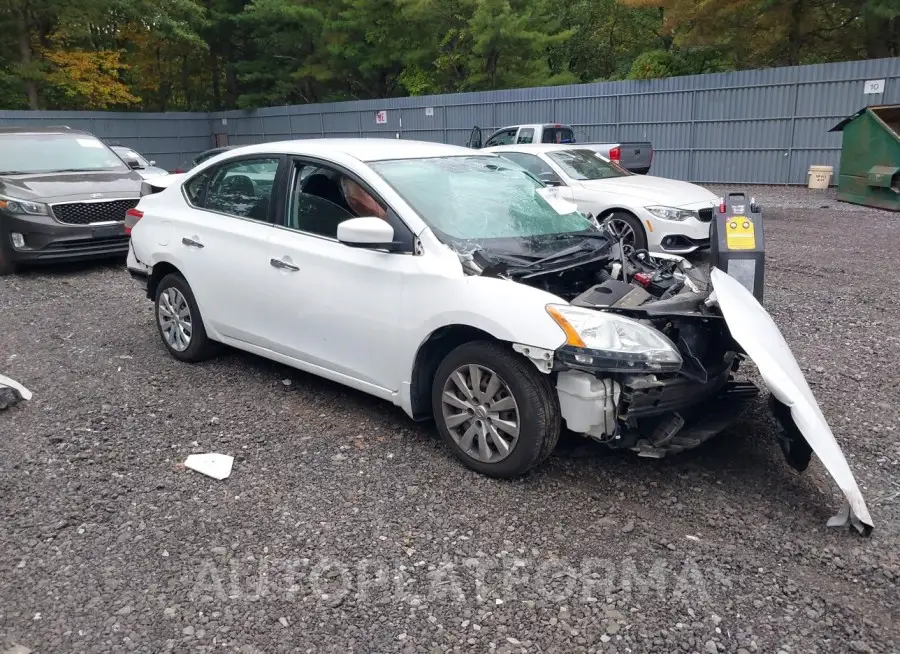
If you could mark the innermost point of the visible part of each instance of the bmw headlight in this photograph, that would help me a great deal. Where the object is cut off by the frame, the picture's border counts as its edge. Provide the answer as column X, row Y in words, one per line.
column 672, row 213
column 607, row 341
column 26, row 207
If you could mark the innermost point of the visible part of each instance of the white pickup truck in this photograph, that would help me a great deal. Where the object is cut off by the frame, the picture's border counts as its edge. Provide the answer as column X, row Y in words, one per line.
column 634, row 157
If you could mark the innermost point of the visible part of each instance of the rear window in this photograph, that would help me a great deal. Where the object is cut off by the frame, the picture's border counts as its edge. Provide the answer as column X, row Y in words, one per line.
column 46, row 153
column 557, row 135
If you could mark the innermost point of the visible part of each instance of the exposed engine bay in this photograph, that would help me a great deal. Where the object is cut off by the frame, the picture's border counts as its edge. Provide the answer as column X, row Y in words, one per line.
column 662, row 411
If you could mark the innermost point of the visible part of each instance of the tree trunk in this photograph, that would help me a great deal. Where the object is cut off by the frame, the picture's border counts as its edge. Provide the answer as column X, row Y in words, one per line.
column 26, row 59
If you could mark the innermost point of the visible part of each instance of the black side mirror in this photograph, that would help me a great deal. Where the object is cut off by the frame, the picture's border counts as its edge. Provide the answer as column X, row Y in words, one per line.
column 550, row 179
column 134, row 164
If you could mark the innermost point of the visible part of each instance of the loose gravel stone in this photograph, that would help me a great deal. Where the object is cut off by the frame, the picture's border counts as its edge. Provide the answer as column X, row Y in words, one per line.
column 356, row 525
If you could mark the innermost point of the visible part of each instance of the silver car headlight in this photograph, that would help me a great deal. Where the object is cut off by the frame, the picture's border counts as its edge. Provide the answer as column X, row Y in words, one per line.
column 26, row 207
column 607, row 341
column 672, row 213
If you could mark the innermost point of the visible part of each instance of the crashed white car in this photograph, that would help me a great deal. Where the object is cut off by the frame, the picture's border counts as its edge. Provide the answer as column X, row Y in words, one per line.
column 456, row 286
column 647, row 212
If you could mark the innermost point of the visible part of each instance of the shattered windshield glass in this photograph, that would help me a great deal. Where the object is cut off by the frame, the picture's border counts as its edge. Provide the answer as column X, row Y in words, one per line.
column 479, row 197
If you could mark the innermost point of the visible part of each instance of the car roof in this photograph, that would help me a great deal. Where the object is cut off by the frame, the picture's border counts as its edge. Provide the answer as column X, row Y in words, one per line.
column 42, row 129
column 536, row 148
column 363, row 149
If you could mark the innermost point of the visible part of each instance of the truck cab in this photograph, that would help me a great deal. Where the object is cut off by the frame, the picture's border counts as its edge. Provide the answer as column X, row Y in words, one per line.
column 518, row 134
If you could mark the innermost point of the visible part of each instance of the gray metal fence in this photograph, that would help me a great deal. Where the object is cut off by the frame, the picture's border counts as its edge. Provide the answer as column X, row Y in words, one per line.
column 752, row 127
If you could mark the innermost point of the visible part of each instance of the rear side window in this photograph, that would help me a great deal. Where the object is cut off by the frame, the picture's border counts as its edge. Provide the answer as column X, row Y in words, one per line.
column 557, row 135
column 242, row 188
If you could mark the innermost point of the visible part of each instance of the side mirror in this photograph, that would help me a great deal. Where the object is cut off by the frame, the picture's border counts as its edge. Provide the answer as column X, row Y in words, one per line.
column 152, row 163
column 370, row 233
column 550, row 179
column 134, row 164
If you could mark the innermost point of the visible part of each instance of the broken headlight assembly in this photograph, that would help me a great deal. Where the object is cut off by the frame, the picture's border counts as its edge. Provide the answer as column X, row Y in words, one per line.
column 672, row 213
column 597, row 340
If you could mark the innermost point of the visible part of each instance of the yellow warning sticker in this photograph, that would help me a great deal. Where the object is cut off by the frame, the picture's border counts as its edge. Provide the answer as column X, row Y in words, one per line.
column 739, row 233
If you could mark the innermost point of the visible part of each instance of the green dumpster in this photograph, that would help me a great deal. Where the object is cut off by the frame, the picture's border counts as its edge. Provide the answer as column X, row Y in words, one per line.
column 870, row 157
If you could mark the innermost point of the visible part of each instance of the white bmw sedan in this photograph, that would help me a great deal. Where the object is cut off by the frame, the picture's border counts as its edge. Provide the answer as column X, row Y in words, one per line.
column 654, row 213
column 457, row 286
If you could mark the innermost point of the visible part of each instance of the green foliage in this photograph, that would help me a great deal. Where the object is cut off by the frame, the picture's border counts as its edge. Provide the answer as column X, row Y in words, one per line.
column 210, row 54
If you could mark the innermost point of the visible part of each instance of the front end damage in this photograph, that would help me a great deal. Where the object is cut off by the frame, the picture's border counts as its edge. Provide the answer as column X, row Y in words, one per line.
column 657, row 406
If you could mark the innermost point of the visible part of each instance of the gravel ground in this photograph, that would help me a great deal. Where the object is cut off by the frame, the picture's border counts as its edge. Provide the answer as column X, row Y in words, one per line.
column 346, row 527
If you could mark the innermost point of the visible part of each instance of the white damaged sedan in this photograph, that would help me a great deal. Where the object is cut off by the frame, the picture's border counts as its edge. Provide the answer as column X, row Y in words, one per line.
column 457, row 286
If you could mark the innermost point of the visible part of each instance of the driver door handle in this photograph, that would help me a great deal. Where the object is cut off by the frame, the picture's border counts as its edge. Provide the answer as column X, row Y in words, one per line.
column 278, row 263
column 191, row 243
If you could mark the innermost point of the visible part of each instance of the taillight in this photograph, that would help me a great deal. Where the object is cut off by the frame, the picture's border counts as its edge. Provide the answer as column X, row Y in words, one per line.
column 722, row 206
column 177, row 171
column 132, row 216
column 615, row 154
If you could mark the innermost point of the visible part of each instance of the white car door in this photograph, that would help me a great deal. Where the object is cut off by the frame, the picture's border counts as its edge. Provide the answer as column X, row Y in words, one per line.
column 221, row 242
column 336, row 307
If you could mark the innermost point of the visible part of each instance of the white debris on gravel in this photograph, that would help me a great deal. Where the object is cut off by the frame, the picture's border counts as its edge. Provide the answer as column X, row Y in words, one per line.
column 21, row 391
column 217, row 466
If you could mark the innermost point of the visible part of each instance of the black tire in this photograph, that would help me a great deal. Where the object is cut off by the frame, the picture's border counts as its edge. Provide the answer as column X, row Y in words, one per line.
column 7, row 267
column 535, row 397
column 640, row 234
column 200, row 347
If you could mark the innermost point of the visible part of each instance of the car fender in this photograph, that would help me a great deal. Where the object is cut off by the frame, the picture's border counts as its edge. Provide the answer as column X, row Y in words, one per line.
column 755, row 331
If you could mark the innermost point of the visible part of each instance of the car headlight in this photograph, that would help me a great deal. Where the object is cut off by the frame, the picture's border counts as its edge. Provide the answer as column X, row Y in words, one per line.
column 607, row 341
column 13, row 205
column 672, row 213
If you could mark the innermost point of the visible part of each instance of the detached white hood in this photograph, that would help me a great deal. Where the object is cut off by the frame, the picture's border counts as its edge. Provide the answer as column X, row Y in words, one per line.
column 753, row 328
column 656, row 190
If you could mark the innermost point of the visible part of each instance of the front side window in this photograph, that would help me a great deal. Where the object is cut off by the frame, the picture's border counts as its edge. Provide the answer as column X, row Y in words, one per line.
column 585, row 165
column 240, row 188
column 505, row 137
column 30, row 153
column 525, row 136
column 466, row 198
column 322, row 198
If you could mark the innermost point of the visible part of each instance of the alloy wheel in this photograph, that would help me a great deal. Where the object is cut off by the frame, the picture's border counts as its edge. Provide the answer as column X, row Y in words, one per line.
column 174, row 317
column 622, row 230
column 480, row 413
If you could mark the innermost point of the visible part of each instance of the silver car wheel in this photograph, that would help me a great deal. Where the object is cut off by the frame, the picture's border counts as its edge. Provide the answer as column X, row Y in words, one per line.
column 622, row 230
column 480, row 413
column 174, row 317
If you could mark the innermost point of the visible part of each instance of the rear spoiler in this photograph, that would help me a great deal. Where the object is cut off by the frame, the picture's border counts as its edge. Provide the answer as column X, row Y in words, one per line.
column 157, row 184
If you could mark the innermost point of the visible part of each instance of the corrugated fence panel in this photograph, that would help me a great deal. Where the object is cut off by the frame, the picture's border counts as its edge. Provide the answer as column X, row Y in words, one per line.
column 587, row 111
column 756, row 126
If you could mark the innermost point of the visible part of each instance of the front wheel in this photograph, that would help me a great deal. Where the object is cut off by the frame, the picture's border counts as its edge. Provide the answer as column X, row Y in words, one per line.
column 7, row 267
column 628, row 228
column 496, row 411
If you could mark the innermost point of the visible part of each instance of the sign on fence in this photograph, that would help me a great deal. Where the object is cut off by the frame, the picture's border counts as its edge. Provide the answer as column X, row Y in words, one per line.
column 874, row 86
column 381, row 118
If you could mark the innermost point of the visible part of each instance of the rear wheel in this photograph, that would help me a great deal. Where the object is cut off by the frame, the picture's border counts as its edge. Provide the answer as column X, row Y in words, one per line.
column 496, row 412
column 179, row 322
column 628, row 228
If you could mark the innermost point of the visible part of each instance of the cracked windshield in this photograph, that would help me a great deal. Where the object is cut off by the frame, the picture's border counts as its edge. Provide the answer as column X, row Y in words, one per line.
column 478, row 197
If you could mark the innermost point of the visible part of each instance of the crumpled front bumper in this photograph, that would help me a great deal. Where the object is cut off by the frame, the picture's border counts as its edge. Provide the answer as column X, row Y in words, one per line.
column 803, row 428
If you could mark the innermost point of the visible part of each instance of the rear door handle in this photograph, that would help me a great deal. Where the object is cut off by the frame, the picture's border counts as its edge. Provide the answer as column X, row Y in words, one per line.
column 278, row 263
column 191, row 243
